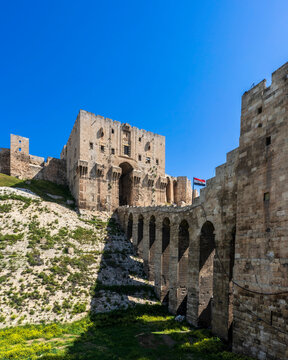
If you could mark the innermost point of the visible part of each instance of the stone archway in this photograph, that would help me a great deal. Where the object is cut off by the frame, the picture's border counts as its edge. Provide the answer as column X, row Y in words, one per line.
column 182, row 269
column 206, row 274
column 152, row 247
column 165, row 258
column 126, row 185
column 130, row 227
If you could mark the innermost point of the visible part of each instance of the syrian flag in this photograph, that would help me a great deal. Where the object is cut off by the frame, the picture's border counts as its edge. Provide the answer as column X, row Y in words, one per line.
column 199, row 182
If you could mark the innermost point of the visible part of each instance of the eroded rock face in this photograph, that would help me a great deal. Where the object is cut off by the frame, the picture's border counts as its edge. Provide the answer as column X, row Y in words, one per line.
column 58, row 265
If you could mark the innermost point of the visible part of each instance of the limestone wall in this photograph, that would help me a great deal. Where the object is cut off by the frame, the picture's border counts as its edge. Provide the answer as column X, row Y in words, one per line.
column 26, row 166
column 109, row 163
column 261, row 257
column 236, row 276
column 5, row 161
column 190, row 274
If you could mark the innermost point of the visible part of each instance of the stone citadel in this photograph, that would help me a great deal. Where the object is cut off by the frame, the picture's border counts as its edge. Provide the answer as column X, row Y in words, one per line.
column 221, row 261
column 106, row 164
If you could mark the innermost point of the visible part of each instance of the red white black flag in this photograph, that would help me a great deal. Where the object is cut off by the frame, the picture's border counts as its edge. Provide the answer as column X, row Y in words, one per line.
column 199, row 182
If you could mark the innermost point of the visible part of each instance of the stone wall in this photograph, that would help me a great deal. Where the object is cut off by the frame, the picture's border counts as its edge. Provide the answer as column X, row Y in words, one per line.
column 261, row 258
column 109, row 163
column 5, row 161
column 25, row 166
column 232, row 275
column 180, row 253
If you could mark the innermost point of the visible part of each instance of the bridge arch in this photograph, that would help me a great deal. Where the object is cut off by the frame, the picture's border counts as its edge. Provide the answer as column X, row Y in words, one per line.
column 182, row 268
column 165, row 258
column 130, row 227
column 152, row 246
column 140, row 229
column 206, row 274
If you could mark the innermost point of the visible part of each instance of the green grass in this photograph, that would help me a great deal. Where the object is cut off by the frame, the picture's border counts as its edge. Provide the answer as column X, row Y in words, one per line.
column 142, row 333
column 39, row 187
column 6, row 180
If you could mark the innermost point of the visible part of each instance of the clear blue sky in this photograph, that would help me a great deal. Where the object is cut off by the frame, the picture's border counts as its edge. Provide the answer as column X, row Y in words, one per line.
column 177, row 68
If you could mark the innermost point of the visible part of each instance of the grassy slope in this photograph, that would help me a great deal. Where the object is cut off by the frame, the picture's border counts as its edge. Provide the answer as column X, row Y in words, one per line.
column 6, row 180
column 39, row 187
column 145, row 332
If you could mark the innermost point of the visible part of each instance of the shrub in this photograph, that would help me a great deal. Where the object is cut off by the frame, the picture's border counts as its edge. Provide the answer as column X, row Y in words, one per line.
column 79, row 308
column 205, row 346
column 34, row 258
column 5, row 208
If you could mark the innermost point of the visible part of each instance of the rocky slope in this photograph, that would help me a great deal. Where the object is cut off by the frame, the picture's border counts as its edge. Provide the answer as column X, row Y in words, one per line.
column 57, row 264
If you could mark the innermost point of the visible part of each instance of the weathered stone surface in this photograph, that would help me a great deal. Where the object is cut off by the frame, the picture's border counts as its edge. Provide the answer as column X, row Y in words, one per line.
column 111, row 164
column 237, row 279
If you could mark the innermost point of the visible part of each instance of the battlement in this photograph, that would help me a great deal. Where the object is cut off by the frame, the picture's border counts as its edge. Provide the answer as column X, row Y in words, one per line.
column 278, row 77
column 116, row 123
column 264, row 107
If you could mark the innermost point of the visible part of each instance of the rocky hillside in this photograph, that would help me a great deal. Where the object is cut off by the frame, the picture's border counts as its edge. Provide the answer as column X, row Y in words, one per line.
column 57, row 264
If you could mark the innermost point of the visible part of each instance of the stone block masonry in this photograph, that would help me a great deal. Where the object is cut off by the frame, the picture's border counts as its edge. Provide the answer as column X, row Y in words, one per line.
column 105, row 164
column 223, row 260
column 111, row 163
column 17, row 162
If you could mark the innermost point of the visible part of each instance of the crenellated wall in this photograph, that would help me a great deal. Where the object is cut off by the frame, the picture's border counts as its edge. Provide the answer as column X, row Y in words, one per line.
column 111, row 163
column 233, row 273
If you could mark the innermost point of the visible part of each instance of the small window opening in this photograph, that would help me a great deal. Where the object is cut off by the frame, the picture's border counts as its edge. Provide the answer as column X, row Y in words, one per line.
column 19, row 141
column 112, row 131
column 259, row 125
column 112, row 151
column 259, row 110
column 20, row 149
column 266, row 196
column 91, row 145
column 126, row 150
column 102, row 147
column 140, row 139
column 139, row 157
column 268, row 140
column 157, row 162
column 148, row 160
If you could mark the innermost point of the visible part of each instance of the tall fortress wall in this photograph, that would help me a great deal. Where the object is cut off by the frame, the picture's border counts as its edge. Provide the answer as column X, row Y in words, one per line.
column 221, row 261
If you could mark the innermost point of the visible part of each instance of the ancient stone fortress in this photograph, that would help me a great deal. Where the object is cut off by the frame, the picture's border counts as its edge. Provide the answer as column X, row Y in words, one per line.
column 105, row 163
column 111, row 164
column 223, row 261
column 17, row 162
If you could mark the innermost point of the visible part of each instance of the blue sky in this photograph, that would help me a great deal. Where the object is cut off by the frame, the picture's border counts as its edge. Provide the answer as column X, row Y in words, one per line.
column 177, row 68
